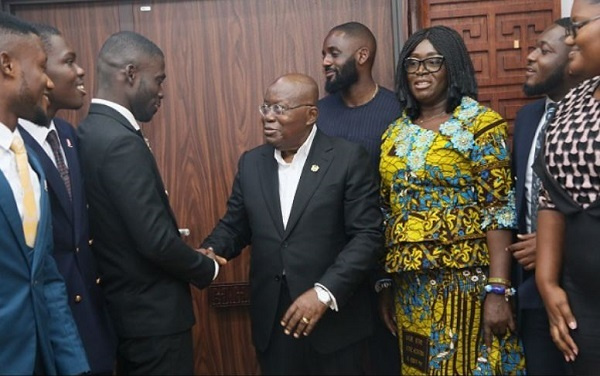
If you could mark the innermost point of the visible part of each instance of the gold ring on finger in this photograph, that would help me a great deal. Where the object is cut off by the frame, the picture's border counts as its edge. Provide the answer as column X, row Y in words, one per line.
column 305, row 320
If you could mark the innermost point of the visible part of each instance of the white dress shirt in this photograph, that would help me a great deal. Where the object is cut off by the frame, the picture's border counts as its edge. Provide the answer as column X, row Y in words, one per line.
column 530, row 161
column 40, row 134
column 8, row 166
column 289, row 177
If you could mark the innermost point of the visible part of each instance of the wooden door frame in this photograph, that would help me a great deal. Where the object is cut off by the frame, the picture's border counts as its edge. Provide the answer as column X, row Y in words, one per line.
column 403, row 10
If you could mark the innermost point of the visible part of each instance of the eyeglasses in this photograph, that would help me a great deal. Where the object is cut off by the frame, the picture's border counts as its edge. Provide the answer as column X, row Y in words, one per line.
column 278, row 109
column 574, row 27
column 431, row 64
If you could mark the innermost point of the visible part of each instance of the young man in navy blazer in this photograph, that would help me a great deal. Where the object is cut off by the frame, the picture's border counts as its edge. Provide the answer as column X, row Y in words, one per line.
column 67, row 199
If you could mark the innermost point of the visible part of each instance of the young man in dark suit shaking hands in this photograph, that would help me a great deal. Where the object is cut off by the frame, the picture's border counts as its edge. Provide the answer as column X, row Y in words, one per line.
column 146, row 267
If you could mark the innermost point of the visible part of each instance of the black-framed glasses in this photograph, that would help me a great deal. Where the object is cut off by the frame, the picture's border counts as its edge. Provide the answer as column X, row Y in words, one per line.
column 431, row 64
column 278, row 109
column 574, row 27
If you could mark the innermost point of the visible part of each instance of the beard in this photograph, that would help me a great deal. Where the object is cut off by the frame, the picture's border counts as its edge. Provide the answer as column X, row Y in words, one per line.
column 545, row 87
column 32, row 111
column 345, row 77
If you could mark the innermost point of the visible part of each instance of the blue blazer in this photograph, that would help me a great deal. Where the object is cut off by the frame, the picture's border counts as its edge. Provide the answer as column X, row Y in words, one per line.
column 33, row 295
column 72, row 251
column 526, row 124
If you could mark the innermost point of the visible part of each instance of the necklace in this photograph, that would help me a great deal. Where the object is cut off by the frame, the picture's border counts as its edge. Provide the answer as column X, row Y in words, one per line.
column 374, row 93
column 432, row 117
column 370, row 99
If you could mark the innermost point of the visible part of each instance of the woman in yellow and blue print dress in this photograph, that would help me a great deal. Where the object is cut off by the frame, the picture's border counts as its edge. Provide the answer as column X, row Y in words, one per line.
column 449, row 210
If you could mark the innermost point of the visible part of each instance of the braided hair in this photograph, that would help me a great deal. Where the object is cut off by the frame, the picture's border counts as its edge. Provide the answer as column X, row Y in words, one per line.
column 459, row 68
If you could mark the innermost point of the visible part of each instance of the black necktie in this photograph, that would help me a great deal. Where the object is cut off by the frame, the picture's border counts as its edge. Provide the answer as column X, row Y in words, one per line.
column 63, row 170
column 535, row 180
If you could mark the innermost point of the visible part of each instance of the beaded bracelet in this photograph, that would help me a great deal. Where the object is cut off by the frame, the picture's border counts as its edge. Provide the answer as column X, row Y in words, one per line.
column 382, row 284
column 500, row 290
column 500, row 281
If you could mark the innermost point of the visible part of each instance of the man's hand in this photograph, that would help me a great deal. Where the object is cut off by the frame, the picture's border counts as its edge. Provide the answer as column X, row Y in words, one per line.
column 211, row 253
column 524, row 250
column 303, row 315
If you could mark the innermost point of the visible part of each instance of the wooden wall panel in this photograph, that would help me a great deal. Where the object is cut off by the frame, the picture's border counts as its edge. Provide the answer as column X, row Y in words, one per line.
column 220, row 56
column 499, row 35
column 86, row 27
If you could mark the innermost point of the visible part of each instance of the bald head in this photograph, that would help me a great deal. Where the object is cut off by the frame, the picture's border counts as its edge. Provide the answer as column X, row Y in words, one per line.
column 296, row 88
column 287, row 126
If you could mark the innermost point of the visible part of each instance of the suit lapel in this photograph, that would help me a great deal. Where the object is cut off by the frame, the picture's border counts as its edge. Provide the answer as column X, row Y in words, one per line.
column 316, row 166
column 52, row 175
column 269, row 182
column 43, row 225
column 525, row 140
column 101, row 109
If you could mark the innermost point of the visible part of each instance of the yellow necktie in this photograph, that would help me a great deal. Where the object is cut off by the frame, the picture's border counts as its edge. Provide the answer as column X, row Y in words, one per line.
column 30, row 218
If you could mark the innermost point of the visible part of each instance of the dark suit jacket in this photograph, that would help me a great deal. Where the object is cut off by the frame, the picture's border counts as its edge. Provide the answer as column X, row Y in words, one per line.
column 526, row 124
column 34, row 315
column 332, row 237
column 145, row 266
column 72, row 251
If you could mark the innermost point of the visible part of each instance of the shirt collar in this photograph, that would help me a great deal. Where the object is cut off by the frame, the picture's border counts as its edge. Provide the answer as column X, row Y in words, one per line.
column 6, row 136
column 302, row 150
column 120, row 109
column 548, row 101
column 38, row 132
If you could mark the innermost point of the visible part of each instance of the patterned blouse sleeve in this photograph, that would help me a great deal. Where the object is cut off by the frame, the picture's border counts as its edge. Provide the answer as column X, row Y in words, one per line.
column 384, row 188
column 492, row 173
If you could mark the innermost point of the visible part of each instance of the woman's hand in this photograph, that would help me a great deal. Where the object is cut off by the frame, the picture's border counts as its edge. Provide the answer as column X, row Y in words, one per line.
column 497, row 317
column 561, row 319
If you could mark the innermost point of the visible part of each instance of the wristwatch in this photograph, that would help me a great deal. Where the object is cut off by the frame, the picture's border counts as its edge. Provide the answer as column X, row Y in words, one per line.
column 323, row 296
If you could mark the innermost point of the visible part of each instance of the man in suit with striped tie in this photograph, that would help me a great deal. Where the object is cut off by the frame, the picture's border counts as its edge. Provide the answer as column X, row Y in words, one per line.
column 37, row 331
column 547, row 74
column 55, row 143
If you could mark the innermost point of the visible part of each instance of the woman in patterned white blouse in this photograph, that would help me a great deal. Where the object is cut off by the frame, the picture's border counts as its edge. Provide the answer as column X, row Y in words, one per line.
column 568, row 237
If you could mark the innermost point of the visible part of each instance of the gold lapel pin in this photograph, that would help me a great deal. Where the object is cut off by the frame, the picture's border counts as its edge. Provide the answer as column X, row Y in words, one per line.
column 314, row 168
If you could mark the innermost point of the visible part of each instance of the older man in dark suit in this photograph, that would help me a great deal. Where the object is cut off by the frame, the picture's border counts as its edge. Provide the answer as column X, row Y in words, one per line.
column 548, row 75
column 56, row 145
column 146, row 267
column 308, row 205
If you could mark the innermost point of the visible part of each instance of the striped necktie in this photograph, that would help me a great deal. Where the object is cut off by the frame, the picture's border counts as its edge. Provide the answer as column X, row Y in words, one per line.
column 30, row 217
column 61, row 165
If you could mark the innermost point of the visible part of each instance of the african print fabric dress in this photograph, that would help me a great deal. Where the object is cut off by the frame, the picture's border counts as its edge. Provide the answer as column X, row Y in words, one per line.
column 441, row 192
